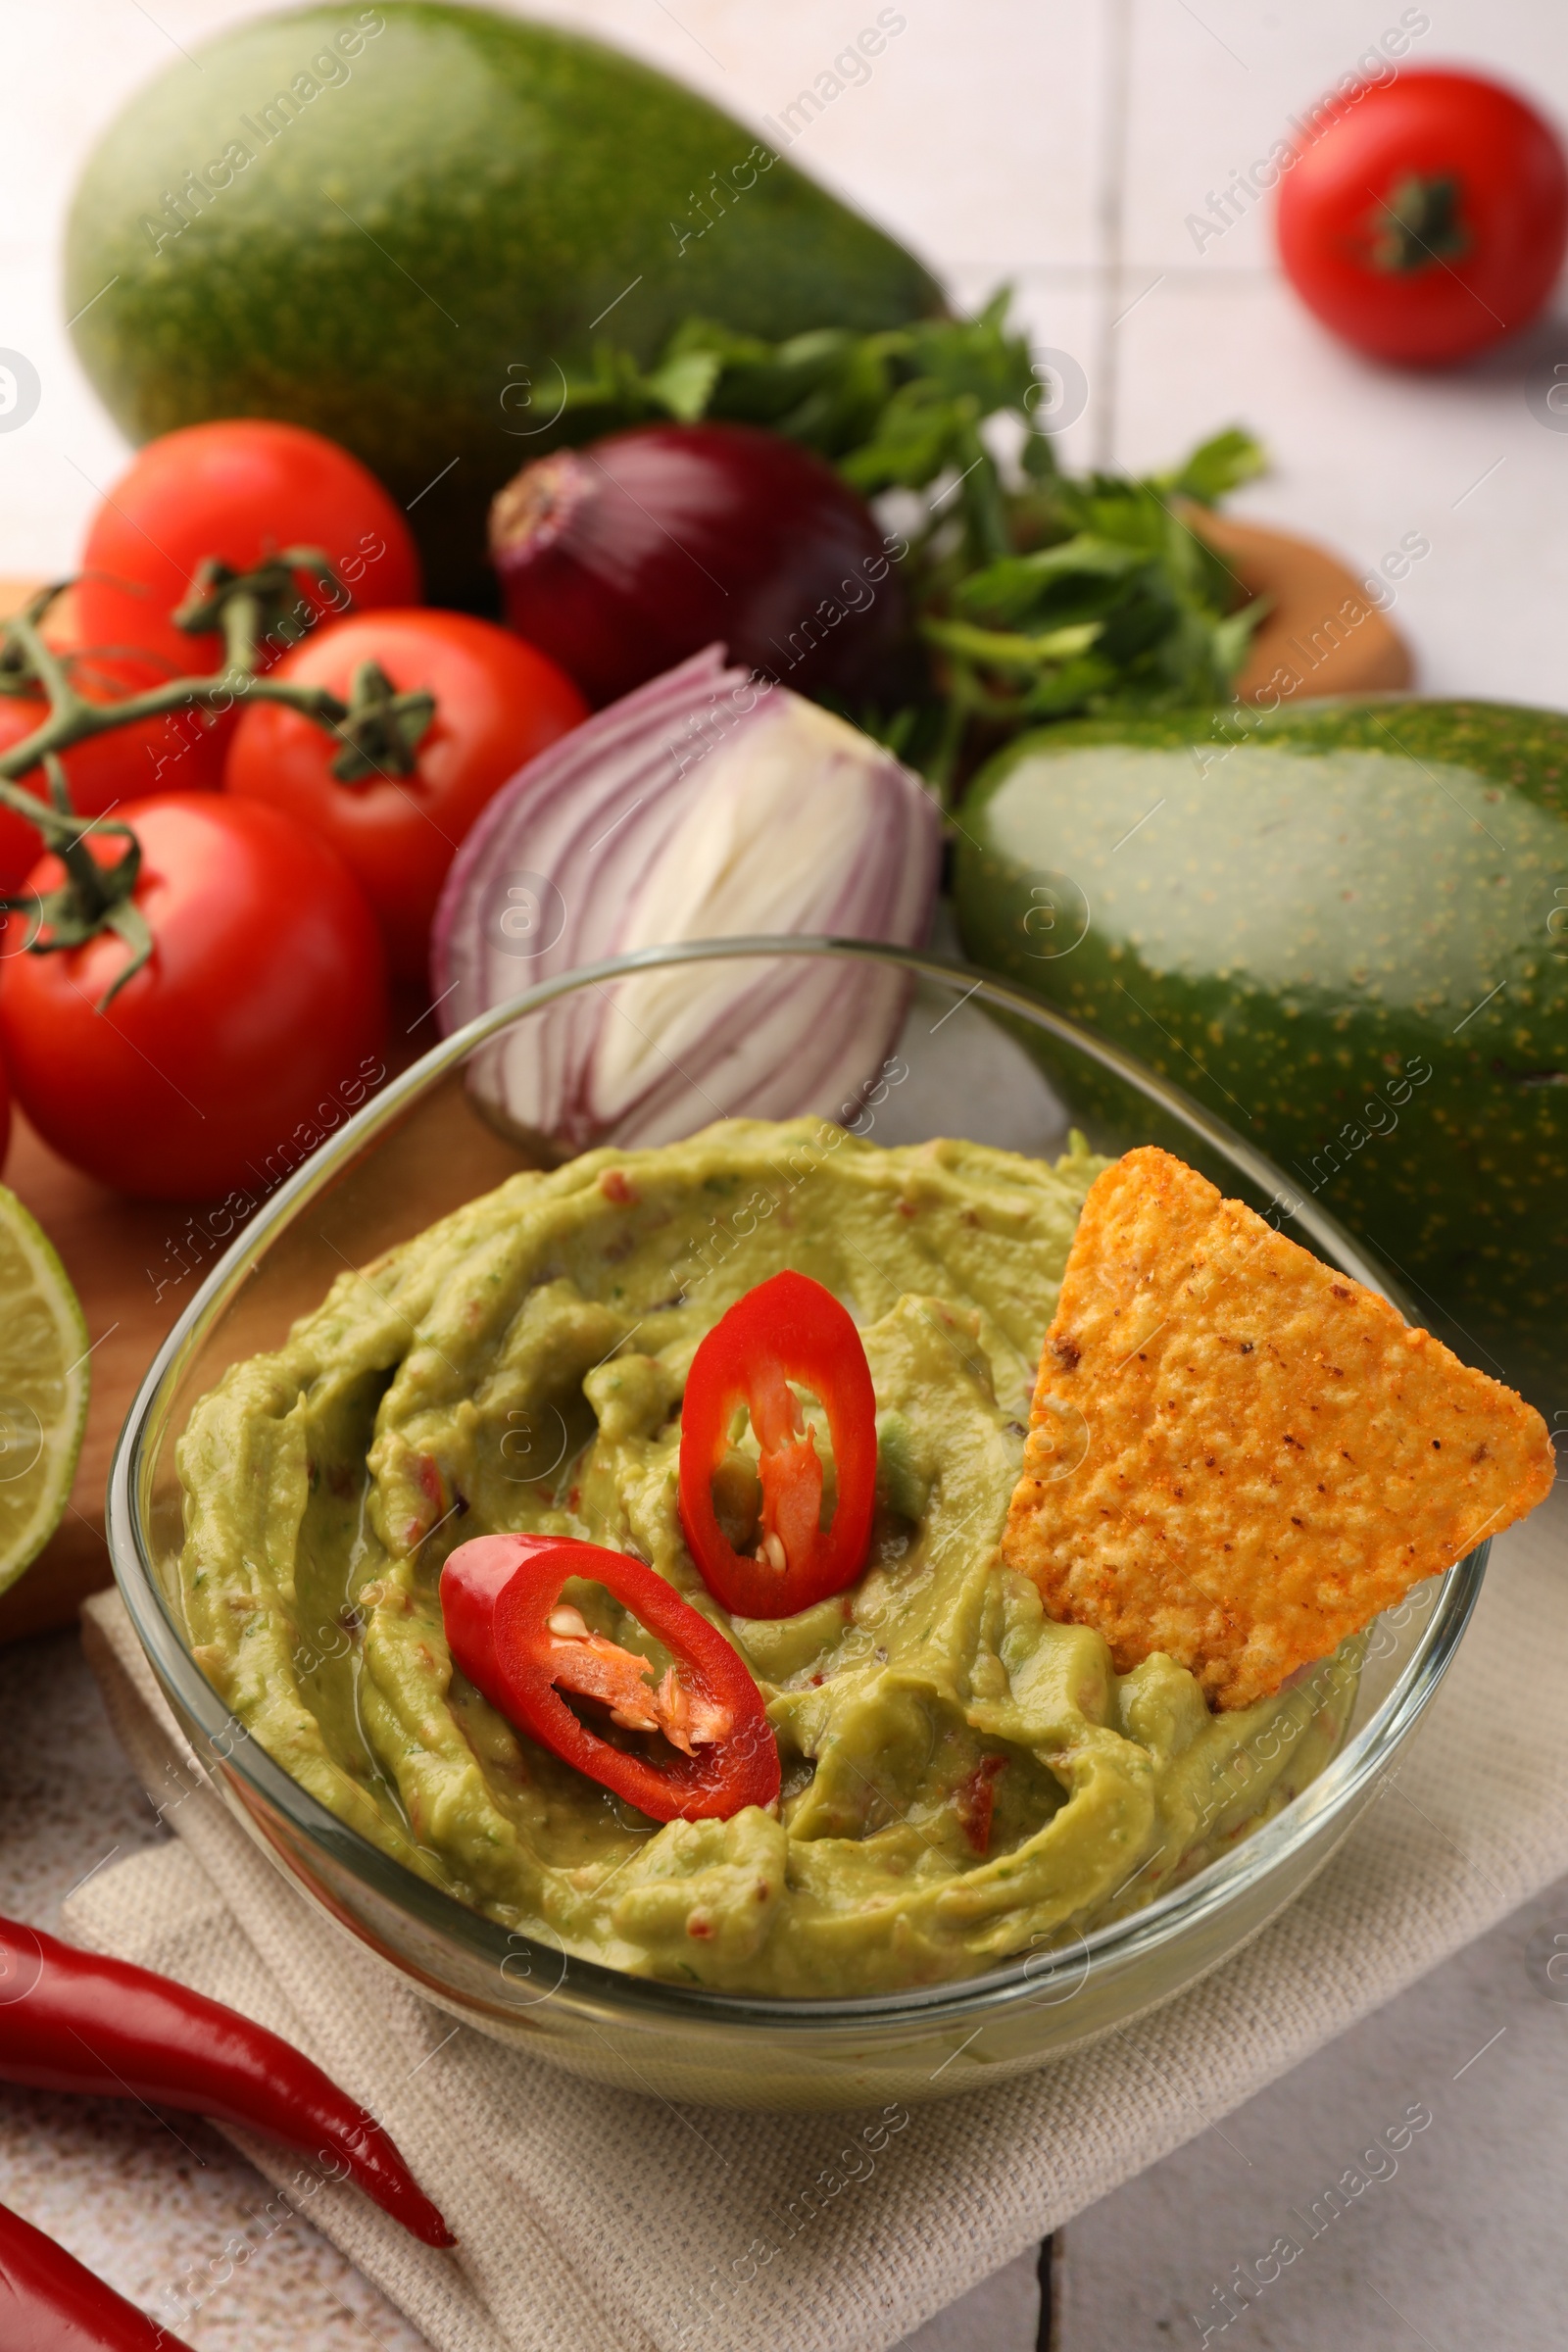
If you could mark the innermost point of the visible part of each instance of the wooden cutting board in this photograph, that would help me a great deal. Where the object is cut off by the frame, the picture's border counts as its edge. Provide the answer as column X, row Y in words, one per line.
column 126, row 1257
column 1322, row 634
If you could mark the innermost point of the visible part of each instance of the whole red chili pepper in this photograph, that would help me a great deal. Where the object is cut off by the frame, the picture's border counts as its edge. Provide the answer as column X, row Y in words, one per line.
column 516, row 1641
column 70, row 2020
column 50, row 2302
column 788, row 1328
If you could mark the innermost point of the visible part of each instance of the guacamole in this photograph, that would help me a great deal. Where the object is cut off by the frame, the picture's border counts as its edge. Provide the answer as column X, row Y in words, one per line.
column 964, row 1780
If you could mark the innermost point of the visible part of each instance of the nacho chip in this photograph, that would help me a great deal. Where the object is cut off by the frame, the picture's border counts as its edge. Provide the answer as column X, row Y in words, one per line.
column 1237, row 1456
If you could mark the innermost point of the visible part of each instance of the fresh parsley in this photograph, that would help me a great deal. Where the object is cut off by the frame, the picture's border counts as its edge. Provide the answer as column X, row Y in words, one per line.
column 1037, row 596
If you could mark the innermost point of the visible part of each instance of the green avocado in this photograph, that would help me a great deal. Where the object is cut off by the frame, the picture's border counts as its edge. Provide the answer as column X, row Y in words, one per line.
column 397, row 224
column 1344, row 930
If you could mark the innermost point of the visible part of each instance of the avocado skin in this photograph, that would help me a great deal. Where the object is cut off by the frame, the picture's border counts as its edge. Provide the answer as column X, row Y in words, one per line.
column 510, row 181
column 1294, row 916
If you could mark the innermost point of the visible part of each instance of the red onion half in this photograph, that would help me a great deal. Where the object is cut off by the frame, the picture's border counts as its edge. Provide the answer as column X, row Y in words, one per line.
column 706, row 805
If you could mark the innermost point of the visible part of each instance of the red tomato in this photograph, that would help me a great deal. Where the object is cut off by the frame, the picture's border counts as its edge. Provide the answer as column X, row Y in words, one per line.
column 1428, row 220
column 5, row 1117
column 180, row 751
column 241, row 489
column 498, row 703
column 255, row 1028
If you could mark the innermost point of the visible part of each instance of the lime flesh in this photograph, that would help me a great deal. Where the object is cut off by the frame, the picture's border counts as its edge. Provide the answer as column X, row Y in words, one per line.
column 43, row 1388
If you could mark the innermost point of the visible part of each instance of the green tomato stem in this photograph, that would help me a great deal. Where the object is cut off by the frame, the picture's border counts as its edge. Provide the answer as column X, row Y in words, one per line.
column 379, row 731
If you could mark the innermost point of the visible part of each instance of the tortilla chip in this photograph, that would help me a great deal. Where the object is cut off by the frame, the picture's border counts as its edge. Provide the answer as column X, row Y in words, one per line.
column 1237, row 1456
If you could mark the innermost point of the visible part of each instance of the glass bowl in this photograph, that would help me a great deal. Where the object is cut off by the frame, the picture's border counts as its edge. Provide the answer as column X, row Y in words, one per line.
column 972, row 1057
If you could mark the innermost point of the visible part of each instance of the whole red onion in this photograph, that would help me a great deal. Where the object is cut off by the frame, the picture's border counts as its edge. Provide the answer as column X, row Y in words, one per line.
column 622, row 559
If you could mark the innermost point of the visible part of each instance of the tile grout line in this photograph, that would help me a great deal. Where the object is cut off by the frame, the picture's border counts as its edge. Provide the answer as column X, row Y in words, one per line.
column 1110, row 214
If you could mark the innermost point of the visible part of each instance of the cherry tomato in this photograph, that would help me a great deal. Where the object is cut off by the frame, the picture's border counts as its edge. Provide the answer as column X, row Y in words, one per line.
column 241, row 489
column 181, row 752
column 498, row 703
column 254, row 1030
column 1428, row 220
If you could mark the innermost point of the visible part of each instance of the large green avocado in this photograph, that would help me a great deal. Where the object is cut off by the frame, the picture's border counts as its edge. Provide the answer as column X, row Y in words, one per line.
column 397, row 223
column 1344, row 930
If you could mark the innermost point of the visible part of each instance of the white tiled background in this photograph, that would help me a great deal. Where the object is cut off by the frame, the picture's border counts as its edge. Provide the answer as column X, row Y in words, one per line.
column 1058, row 143
column 1061, row 144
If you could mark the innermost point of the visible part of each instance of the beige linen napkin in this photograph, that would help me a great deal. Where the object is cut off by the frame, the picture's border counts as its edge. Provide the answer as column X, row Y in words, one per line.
column 596, row 2220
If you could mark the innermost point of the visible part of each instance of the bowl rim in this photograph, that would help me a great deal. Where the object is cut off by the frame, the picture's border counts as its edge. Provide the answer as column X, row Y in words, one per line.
column 1039, row 1978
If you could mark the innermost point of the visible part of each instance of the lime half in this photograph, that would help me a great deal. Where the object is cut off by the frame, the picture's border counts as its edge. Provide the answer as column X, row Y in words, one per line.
column 43, row 1388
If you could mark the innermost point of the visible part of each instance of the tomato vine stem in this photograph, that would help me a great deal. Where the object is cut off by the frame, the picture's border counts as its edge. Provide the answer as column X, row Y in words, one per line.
column 379, row 731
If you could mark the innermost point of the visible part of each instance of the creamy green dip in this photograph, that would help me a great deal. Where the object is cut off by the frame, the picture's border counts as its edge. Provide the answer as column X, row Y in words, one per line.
column 964, row 1780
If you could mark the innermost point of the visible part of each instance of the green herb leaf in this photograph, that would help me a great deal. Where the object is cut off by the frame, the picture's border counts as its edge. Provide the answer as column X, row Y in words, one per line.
column 1037, row 595
column 1219, row 467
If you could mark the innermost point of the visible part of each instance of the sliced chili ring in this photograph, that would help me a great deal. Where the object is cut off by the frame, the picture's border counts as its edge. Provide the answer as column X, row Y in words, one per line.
column 518, row 1643
column 787, row 1329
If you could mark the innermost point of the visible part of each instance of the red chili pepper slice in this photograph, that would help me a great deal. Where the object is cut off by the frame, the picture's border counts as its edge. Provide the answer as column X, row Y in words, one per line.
column 518, row 1643
column 78, row 2021
column 787, row 1329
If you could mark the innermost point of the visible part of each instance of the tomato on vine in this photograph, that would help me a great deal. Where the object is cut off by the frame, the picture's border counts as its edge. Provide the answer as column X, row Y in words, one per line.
column 498, row 702
column 238, row 490
column 174, row 752
column 254, row 1021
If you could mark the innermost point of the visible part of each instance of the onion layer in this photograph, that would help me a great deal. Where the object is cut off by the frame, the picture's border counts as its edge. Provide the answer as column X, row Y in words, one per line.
column 705, row 806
